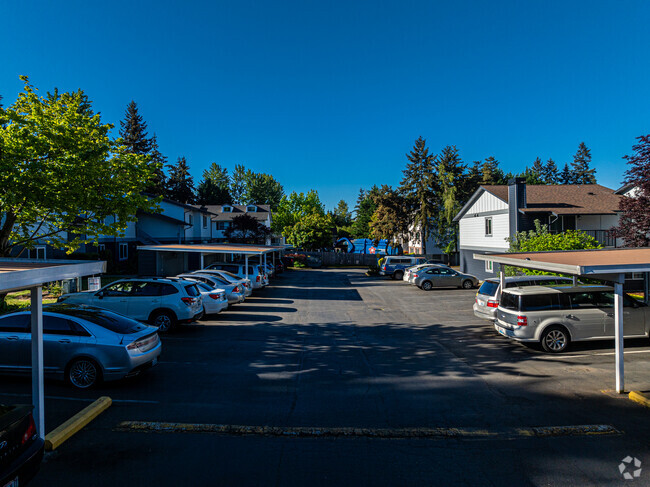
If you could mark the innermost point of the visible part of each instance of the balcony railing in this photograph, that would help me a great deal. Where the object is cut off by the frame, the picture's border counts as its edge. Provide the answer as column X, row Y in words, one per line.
column 604, row 237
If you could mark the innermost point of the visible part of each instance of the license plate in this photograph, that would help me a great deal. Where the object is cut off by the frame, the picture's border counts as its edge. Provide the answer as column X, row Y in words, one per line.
column 481, row 303
column 502, row 331
column 13, row 483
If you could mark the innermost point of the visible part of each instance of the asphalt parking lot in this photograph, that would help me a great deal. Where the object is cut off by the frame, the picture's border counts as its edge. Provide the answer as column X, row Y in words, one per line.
column 332, row 363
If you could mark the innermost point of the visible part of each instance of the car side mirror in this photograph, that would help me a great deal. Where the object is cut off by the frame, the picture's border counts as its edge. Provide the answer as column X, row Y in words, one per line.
column 100, row 294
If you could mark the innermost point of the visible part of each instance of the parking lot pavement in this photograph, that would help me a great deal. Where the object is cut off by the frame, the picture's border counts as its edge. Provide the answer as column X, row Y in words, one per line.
column 334, row 348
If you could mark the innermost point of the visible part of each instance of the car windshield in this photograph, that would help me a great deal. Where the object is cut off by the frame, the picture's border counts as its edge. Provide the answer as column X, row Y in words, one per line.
column 106, row 319
column 489, row 288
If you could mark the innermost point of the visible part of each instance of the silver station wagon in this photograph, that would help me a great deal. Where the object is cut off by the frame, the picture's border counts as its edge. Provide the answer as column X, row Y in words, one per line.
column 556, row 316
column 81, row 344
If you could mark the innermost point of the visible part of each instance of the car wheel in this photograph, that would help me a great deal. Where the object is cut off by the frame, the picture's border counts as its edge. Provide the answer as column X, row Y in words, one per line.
column 398, row 275
column 555, row 339
column 83, row 373
column 427, row 286
column 164, row 320
column 467, row 284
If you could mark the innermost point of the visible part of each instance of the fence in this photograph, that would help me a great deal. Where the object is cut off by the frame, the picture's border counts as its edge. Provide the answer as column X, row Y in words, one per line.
column 341, row 258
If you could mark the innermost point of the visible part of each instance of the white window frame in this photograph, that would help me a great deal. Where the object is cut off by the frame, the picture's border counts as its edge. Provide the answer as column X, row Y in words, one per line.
column 249, row 210
column 489, row 266
column 488, row 222
column 205, row 221
column 226, row 209
column 123, row 249
column 101, row 247
column 33, row 253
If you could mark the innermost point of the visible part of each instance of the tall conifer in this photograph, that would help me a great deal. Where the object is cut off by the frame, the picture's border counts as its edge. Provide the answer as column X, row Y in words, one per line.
column 582, row 173
column 134, row 131
column 180, row 185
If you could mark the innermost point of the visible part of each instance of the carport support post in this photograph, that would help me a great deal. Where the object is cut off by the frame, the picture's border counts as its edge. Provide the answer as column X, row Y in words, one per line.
column 202, row 266
column 246, row 266
column 618, row 327
column 38, row 390
column 502, row 277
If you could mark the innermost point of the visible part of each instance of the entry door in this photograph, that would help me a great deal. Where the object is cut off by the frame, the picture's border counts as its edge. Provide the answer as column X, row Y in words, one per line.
column 633, row 316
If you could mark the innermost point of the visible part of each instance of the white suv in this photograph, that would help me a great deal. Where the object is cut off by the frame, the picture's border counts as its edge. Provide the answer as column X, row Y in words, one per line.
column 162, row 302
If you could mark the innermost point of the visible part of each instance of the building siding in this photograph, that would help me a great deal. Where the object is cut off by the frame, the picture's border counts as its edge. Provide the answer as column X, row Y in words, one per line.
column 472, row 232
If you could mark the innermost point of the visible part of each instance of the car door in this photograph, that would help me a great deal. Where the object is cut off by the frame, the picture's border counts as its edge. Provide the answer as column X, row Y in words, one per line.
column 114, row 297
column 60, row 340
column 15, row 342
column 448, row 278
column 633, row 315
column 585, row 319
column 145, row 296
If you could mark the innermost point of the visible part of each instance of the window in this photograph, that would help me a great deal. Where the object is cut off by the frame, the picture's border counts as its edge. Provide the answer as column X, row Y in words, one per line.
column 205, row 221
column 168, row 289
column 539, row 302
column 489, row 266
column 145, row 289
column 583, row 300
column 226, row 209
column 488, row 226
column 222, row 225
column 37, row 252
column 251, row 208
column 119, row 289
column 510, row 301
column 15, row 323
column 101, row 248
column 190, row 219
column 124, row 251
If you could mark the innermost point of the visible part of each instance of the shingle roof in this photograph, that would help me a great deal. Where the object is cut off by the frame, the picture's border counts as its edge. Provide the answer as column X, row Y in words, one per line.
column 565, row 199
column 262, row 212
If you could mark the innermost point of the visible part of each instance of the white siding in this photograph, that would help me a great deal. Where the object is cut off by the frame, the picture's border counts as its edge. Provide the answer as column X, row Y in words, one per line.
column 487, row 202
column 472, row 232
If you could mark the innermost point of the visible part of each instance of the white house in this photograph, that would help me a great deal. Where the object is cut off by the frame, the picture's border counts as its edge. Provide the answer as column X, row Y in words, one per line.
column 495, row 213
column 223, row 215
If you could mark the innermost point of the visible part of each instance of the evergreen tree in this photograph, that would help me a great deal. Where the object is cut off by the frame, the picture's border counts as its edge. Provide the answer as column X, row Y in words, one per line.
column 549, row 172
column 134, row 131
column 238, row 184
column 390, row 219
column 420, row 186
column 492, row 173
column 218, row 175
column 158, row 181
column 262, row 189
column 538, row 168
column 342, row 214
column 582, row 173
column 531, row 176
column 180, row 185
column 634, row 225
column 566, row 175
column 452, row 175
column 215, row 187
column 364, row 209
column 474, row 178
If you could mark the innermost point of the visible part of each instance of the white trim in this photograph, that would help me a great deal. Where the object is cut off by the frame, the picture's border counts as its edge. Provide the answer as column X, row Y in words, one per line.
column 123, row 255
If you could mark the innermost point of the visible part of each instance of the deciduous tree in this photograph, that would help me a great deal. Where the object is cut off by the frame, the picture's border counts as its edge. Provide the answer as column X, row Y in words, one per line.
column 391, row 219
column 247, row 229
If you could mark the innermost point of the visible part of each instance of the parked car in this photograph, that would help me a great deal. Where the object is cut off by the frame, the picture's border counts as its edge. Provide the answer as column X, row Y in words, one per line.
column 255, row 272
column 81, row 344
column 245, row 283
column 234, row 292
column 395, row 266
column 488, row 295
column 214, row 300
column 436, row 276
column 21, row 448
column 162, row 302
column 557, row 316
column 411, row 271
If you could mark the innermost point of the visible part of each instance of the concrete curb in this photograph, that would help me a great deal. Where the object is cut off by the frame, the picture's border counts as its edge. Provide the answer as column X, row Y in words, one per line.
column 55, row 438
column 640, row 397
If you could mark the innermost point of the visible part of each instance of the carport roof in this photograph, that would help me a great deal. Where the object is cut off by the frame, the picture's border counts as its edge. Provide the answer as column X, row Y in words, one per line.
column 578, row 262
column 212, row 248
column 18, row 274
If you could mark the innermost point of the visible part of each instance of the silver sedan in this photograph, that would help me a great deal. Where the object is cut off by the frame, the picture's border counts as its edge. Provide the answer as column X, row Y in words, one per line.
column 430, row 277
column 81, row 344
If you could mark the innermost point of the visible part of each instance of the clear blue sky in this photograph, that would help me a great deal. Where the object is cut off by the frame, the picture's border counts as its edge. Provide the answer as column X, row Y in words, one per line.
column 330, row 95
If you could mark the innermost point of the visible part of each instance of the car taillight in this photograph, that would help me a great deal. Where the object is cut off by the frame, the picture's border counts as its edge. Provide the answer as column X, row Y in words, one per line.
column 236, row 290
column 522, row 320
column 144, row 344
column 189, row 301
column 215, row 296
column 415, row 275
column 492, row 304
column 257, row 278
column 30, row 431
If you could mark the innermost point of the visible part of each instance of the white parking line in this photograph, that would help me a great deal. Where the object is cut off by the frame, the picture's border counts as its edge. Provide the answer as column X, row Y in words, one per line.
column 551, row 357
column 81, row 399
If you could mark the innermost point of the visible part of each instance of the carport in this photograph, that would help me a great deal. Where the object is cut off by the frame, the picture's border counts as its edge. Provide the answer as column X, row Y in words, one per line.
column 218, row 249
column 21, row 274
column 603, row 264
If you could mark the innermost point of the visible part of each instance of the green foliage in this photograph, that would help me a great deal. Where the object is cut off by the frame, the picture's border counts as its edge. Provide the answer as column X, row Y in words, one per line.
column 390, row 220
column 214, row 189
column 262, row 189
column 312, row 232
column 364, row 208
column 492, row 173
column 180, row 185
column 62, row 175
column 582, row 173
column 540, row 240
column 158, row 181
column 247, row 229
column 238, row 184
column 133, row 131
column 295, row 207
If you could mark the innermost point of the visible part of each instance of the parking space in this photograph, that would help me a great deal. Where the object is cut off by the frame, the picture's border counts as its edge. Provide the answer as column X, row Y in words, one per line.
column 334, row 348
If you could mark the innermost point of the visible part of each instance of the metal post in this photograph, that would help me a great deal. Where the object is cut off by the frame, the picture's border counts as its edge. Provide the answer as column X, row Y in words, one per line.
column 38, row 389
column 202, row 265
column 618, row 327
column 575, row 281
column 246, row 266
column 502, row 277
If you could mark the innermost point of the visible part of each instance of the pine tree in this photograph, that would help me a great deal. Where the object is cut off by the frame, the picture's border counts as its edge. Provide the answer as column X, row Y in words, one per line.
column 215, row 187
column 157, row 183
column 549, row 172
column 492, row 173
column 538, row 167
column 420, row 186
column 582, row 173
column 566, row 175
column 364, row 210
column 134, row 131
column 180, row 185
column 634, row 225
column 238, row 184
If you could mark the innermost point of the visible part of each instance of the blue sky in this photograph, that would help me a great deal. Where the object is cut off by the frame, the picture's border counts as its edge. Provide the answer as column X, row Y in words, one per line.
column 331, row 95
